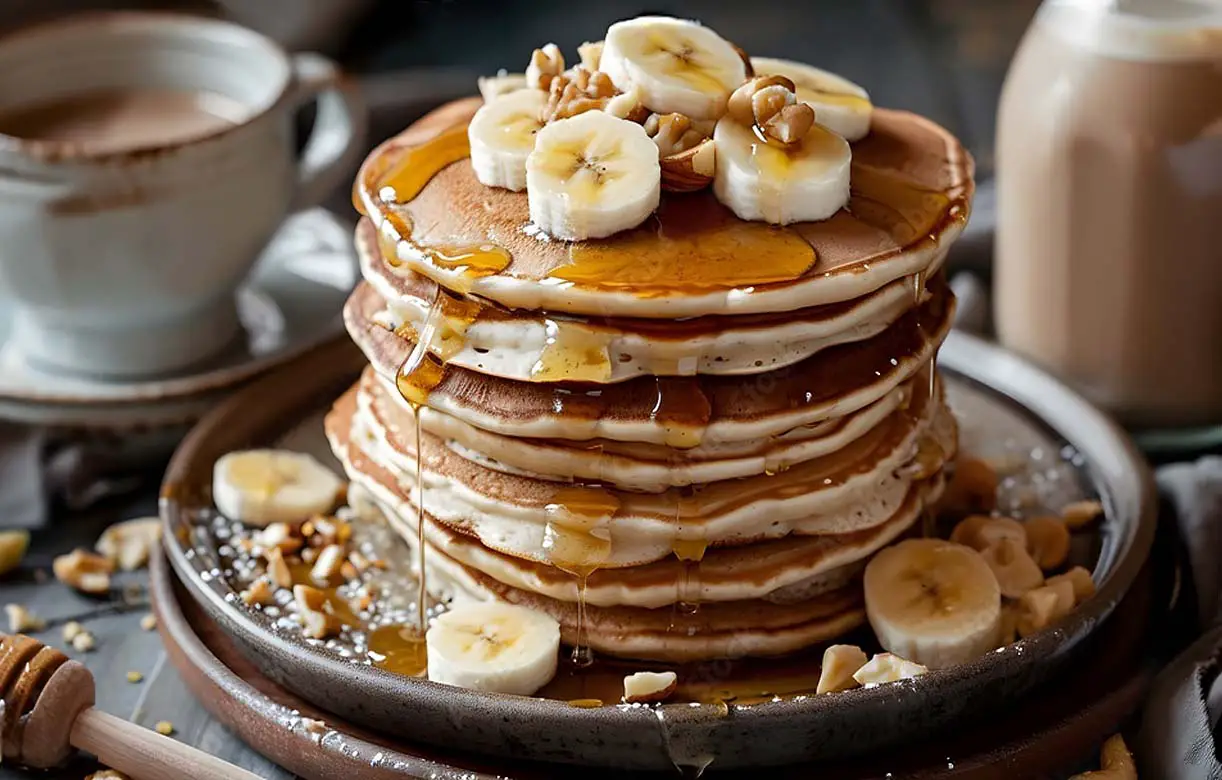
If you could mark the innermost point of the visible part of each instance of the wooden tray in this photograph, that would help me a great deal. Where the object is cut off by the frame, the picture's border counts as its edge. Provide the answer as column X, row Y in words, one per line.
column 1046, row 735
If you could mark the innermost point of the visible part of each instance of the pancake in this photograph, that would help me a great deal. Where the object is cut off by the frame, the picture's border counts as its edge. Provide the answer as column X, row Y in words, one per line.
column 911, row 191
column 523, row 344
column 674, row 411
column 646, row 468
column 783, row 570
column 859, row 487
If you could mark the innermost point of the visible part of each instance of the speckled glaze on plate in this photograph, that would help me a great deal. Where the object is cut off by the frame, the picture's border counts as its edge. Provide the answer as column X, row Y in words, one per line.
column 1004, row 403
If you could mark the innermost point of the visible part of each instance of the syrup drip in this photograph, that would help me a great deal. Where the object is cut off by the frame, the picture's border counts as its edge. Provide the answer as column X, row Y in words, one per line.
column 577, row 540
column 572, row 353
column 907, row 210
column 399, row 649
column 678, row 399
column 689, row 546
column 690, row 244
column 415, row 168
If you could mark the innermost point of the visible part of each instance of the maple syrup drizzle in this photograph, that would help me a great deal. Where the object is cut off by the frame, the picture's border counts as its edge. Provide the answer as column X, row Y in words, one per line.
column 398, row 649
column 689, row 546
column 572, row 353
column 680, row 406
column 577, row 540
column 691, row 243
column 892, row 202
column 414, row 169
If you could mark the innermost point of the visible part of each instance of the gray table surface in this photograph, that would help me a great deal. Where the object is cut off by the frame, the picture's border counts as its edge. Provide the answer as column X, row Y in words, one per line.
column 944, row 58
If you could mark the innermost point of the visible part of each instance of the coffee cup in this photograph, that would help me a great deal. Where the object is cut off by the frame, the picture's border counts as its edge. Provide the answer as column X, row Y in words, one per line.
column 145, row 161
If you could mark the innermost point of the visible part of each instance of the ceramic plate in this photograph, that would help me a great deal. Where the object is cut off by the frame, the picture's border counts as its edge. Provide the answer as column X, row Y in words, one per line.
column 291, row 302
column 1007, row 409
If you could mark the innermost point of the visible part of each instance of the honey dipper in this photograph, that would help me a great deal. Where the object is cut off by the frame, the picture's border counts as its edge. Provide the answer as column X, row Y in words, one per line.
column 48, row 710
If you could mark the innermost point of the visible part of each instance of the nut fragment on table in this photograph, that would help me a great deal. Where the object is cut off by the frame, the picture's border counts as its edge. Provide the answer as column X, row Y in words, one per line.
column 83, row 571
column 148, row 622
column 649, row 687
column 1116, row 761
column 71, row 630
column 22, row 620
column 1080, row 514
column 164, row 728
column 13, row 545
column 886, row 668
column 84, row 642
column 840, row 663
column 135, row 677
column 128, row 544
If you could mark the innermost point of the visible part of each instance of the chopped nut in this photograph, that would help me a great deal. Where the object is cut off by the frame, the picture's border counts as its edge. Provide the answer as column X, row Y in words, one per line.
column 1047, row 541
column 1014, row 568
column 583, row 91
column 309, row 554
column 840, row 663
column 1080, row 514
column 107, row 774
column 149, row 622
column 742, row 106
column 365, row 598
column 981, row 531
column 129, row 544
column 135, row 677
column 280, row 536
column 885, row 668
column 358, row 561
column 591, row 53
column 348, row 572
column 314, row 609
column 259, row 593
column 628, row 105
column 84, row 571
column 791, row 124
column 1041, row 607
column 328, row 563
column 1116, row 761
column 164, row 728
column 83, row 642
column 673, row 133
column 972, row 488
column 545, row 65
column 13, row 545
column 1079, row 577
column 21, row 620
column 277, row 569
column 314, row 726
column 649, row 687
column 71, row 630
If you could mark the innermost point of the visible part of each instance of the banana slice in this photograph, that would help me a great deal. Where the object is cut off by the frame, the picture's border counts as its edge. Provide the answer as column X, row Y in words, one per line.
column 258, row 487
column 502, row 134
column 678, row 66
column 504, row 82
column 493, row 647
column 933, row 601
column 592, row 175
column 840, row 105
column 765, row 183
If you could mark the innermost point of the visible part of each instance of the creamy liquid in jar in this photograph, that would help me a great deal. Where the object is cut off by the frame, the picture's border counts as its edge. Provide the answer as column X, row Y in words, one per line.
column 1109, row 235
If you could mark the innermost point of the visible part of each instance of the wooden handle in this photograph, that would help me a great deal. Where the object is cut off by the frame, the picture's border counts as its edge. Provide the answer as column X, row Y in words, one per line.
column 146, row 755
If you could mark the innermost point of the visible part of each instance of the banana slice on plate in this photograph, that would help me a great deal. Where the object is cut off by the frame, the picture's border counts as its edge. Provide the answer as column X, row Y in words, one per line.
column 258, row 487
column 494, row 648
column 762, row 182
column 840, row 105
column 933, row 602
column 592, row 175
column 502, row 135
column 678, row 66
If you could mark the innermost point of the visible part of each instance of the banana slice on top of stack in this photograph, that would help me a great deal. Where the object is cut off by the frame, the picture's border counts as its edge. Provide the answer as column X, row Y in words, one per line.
column 585, row 142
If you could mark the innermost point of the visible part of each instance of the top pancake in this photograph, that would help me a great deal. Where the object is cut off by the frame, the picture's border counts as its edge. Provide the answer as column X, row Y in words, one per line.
column 911, row 184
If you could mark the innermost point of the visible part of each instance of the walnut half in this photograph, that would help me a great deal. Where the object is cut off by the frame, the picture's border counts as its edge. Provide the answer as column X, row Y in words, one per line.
column 686, row 153
column 770, row 103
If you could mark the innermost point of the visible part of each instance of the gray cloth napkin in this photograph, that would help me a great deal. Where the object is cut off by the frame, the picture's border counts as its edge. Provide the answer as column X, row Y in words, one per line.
column 1180, row 720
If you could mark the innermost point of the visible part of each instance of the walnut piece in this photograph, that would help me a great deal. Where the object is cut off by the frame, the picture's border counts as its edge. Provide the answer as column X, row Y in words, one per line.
column 315, row 611
column 128, row 544
column 83, row 571
column 673, row 133
column 649, row 687
column 770, row 103
column 577, row 91
column 278, row 569
column 83, row 642
column 260, row 593
column 887, row 668
column 545, row 64
column 21, row 620
column 840, row 663
column 591, row 53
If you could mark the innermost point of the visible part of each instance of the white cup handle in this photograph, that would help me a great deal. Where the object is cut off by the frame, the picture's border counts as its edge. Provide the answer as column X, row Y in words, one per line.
column 339, row 127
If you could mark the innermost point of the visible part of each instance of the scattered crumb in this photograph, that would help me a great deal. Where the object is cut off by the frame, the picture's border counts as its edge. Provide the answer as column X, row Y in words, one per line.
column 128, row 544
column 164, row 727
column 649, row 687
column 134, row 677
column 71, row 630
column 107, row 774
column 314, row 726
column 21, row 620
column 83, row 571
column 149, row 622
column 83, row 642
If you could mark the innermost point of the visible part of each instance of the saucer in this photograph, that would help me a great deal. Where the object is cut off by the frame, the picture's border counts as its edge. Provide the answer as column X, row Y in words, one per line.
column 291, row 303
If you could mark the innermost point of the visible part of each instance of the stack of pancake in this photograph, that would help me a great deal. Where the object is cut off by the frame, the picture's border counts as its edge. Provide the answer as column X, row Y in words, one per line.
column 683, row 441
